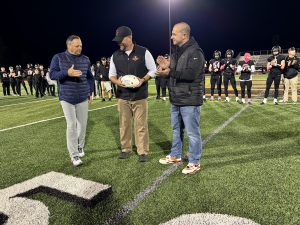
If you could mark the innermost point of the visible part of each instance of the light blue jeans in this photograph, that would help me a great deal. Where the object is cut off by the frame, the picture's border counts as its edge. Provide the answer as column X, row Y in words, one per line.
column 186, row 117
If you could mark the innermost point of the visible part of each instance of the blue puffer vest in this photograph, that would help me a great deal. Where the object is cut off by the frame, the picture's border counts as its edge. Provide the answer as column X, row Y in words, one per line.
column 74, row 90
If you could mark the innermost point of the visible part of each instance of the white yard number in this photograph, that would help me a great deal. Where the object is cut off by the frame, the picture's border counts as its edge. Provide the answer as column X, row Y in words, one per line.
column 16, row 209
column 208, row 219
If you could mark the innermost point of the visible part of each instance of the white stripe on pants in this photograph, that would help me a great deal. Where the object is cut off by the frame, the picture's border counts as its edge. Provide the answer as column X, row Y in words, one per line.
column 76, row 118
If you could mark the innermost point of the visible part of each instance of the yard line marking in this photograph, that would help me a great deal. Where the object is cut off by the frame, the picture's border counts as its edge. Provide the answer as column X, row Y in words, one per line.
column 122, row 212
column 54, row 118
column 22, row 103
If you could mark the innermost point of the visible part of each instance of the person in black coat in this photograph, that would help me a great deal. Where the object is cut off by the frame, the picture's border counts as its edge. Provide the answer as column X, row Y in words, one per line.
column 5, row 81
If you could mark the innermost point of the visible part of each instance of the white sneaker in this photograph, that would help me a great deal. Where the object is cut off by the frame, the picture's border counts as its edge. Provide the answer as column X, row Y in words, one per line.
column 164, row 98
column 169, row 160
column 243, row 101
column 81, row 152
column 237, row 99
column 264, row 101
column 227, row 99
column 191, row 168
column 76, row 161
column 275, row 101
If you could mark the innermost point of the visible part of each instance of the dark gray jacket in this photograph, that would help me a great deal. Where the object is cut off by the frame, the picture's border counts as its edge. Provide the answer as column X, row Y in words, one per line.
column 187, row 74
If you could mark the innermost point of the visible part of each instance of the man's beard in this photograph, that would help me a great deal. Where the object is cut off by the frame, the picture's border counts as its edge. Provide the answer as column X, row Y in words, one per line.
column 123, row 47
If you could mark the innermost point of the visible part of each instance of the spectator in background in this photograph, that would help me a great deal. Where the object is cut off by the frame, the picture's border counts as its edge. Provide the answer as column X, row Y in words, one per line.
column 291, row 75
column 4, row 77
column 275, row 66
column 228, row 66
column 97, row 79
column 45, row 86
column 38, row 83
column 114, row 88
column 158, row 86
column 12, row 80
column 105, row 82
column 216, row 75
column 20, row 80
column 246, row 68
column 29, row 76
column 51, row 83
column 162, row 83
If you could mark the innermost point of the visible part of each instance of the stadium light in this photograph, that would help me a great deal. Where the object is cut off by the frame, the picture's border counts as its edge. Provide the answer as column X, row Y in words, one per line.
column 170, row 32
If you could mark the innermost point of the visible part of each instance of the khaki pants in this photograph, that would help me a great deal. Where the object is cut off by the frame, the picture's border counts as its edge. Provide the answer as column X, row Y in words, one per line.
column 293, row 84
column 134, row 112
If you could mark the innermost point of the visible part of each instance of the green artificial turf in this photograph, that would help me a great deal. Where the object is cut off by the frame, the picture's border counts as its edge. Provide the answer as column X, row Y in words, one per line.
column 250, row 169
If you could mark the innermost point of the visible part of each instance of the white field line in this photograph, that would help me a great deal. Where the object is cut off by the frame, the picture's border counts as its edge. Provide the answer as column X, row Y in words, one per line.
column 23, row 103
column 54, row 118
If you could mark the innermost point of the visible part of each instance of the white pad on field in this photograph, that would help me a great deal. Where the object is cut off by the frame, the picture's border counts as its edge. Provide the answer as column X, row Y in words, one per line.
column 209, row 219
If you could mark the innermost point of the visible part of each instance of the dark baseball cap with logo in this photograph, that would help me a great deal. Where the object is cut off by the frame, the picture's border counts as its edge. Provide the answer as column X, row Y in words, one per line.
column 122, row 32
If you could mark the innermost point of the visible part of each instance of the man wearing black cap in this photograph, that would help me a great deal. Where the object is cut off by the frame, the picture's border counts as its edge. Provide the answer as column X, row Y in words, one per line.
column 132, row 103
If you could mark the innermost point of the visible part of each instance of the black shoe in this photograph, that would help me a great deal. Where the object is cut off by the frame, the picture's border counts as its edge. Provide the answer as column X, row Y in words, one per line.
column 143, row 158
column 109, row 99
column 157, row 97
column 123, row 155
column 103, row 99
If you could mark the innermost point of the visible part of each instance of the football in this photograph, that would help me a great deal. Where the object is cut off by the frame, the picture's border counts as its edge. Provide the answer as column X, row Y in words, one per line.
column 130, row 81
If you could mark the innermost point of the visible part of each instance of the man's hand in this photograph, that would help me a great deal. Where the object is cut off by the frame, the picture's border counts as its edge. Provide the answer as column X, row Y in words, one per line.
column 74, row 73
column 90, row 98
column 119, row 82
column 163, row 62
column 162, row 72
column 141, row 80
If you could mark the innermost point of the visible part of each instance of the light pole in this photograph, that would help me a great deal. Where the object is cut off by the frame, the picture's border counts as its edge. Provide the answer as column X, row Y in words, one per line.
column 170, row 32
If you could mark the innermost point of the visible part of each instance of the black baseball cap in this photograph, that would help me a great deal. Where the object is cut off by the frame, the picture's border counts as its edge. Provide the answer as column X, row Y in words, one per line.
column 122, row 32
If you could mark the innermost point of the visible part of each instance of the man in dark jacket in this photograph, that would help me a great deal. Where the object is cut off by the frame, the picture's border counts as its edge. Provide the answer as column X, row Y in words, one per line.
column 291, row 75
column 72, row 70
column 186, row 72
column 5, row 81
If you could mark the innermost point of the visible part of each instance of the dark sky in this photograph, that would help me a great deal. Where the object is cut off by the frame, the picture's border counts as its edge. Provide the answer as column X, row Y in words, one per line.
column 33, row 31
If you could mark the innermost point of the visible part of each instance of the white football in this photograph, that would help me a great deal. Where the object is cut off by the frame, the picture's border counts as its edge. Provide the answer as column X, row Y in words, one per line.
column 130, row 81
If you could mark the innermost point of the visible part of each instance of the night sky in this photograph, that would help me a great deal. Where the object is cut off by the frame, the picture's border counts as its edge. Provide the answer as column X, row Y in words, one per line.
column 33, row 31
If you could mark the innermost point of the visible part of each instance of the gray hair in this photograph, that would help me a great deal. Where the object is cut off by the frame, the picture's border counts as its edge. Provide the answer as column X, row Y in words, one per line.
column 71, row 38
